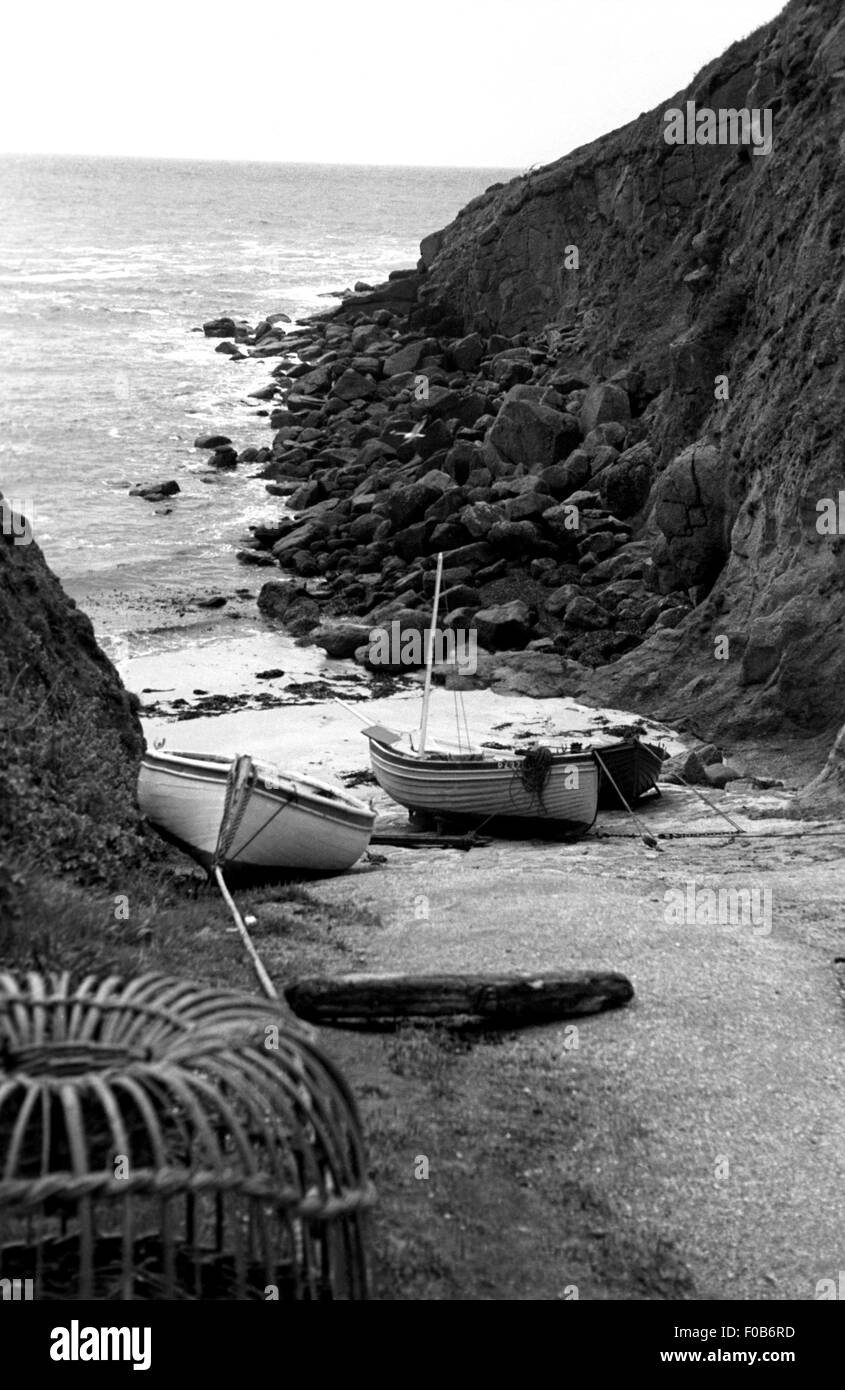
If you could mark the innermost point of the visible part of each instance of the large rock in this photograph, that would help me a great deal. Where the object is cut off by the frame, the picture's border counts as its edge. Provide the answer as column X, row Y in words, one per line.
column 467, row 352
column 511, row 367
column 406, row 504
column 341, row 639
column 504, row 627
column 211, row 441
column 226, row 327
column 351, row 386
column 533, row 435
column 691, row 509
column 585, row 613
column 155, row 492
column 478, row 517
column 409, row 357
column 603, row 403
column 562, row 479
column 289, row 604
column 625, row 484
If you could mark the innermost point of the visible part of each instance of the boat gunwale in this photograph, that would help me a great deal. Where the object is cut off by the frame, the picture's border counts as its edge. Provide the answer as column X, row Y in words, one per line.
column 303, row 789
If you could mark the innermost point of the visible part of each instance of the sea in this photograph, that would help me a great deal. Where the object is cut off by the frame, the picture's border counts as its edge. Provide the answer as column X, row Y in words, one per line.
column 107, row 269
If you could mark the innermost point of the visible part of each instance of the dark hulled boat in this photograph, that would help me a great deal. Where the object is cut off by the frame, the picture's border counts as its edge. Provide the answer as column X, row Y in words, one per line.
column 629, row 767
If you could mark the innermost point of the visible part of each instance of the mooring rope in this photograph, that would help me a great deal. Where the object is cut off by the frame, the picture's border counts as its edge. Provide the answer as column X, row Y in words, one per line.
column 535, row 771
column 239, row 786
column 647, row 839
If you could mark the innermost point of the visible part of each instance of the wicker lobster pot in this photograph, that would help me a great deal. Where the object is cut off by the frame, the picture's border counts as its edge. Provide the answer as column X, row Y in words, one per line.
column 163, row 1140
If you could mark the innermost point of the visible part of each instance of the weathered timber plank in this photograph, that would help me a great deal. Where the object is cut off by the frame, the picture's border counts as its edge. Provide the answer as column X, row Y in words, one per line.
column 409, row 840
column 513, row 998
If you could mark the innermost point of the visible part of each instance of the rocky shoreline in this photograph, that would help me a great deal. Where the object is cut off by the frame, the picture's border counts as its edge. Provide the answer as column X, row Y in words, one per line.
column 393, row 442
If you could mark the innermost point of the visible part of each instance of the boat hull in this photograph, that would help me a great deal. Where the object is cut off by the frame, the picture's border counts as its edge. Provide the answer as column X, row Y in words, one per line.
column 483, row 788
column 635, row 768
column 288, row 821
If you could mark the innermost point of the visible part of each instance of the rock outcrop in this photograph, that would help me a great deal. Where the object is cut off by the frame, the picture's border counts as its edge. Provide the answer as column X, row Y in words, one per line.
column 71, row 735
column 709, row 281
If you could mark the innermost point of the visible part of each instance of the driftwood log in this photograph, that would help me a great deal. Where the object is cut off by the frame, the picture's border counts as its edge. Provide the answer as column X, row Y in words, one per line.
column 409, row 840
column 357, row 1000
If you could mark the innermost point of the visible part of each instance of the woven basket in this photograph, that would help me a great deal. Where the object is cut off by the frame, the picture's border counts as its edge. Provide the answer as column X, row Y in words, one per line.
column 163, row 1140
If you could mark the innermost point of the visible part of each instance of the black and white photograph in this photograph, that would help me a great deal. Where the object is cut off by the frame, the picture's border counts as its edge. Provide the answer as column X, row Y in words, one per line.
column 422, row 673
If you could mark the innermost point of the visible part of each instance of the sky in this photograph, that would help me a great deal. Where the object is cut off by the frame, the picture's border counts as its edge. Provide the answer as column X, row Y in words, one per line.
column 488, row 83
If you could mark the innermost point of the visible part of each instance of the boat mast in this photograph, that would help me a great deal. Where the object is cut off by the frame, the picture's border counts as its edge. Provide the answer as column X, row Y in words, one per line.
column 429, row 653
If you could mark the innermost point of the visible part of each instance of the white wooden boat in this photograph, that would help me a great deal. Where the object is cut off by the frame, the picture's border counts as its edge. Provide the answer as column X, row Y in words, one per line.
column 250, row 815
column 560, row 786
column 536, row 785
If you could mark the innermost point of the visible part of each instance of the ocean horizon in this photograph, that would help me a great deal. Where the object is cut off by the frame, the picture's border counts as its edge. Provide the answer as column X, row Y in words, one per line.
column 107, row 265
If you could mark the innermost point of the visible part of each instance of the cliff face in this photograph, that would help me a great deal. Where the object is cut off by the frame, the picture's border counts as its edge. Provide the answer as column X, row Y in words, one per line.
column 709, row 281
column 71, row 737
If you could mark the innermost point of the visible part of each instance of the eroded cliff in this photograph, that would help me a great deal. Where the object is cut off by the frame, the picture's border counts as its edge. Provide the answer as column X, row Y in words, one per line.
column 709, row 281
column 71, row 736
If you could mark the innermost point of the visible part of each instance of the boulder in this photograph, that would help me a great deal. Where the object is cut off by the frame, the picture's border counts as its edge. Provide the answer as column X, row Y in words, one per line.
column 276, row 596
column 341, row 639
column 211, row 441
column 409, row 357
column 441, row 401
column 225, row 457
column 560, row 599
column 351, row 386
column 584, row 612
column 528, row 504
column 511, row 367
column 564, row 520
column 478, row 517
column 155, row 492
column 467, row 352
column 562, row 479
column 223, row 327
column 315, row 382
column 533, row 435
column 719, row 774
column 302, row 615
column 406, row 504
column 692, row 510
column 684, row 767
column 475, row 556
column 447, row 535
column 505, row 626
column 625, row 484
column 603, row 403
column 516, row 536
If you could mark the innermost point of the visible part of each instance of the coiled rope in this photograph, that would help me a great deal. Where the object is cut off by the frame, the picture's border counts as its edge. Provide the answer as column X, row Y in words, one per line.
column 535, row 771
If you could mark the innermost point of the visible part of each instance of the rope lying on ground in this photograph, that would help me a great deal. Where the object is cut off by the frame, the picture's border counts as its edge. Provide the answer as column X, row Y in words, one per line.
column 721, row 834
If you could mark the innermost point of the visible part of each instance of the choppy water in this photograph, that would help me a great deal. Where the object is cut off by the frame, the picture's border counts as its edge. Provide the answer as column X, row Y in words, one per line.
column 105, row 267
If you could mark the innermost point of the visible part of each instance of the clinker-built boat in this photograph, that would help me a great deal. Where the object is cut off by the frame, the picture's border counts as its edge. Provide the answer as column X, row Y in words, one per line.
column 251, row 815
column 537, row 785
column 628, row 771
column 481, row 785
